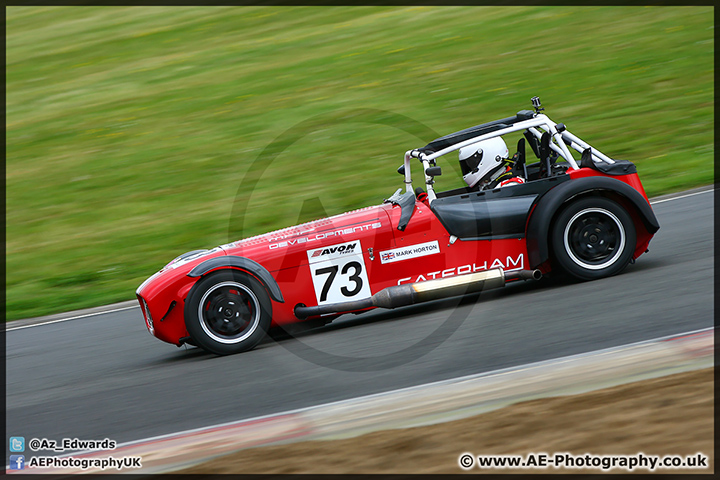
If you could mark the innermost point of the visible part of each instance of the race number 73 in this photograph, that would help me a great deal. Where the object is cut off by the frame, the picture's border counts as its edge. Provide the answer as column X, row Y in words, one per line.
column 338, row 273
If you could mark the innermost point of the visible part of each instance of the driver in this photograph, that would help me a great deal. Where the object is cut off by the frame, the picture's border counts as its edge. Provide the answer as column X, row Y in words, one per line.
column 485, row 165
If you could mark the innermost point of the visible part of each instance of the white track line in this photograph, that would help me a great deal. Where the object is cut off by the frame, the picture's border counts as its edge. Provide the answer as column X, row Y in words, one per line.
column 73, row 318
column 682, row 196
column 127, row 308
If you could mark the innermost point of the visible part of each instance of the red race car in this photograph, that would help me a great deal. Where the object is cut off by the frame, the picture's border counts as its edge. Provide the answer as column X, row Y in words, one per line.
column 516, row 219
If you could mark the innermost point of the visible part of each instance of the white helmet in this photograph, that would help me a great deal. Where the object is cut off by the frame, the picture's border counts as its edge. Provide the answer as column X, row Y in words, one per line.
column 480, row 159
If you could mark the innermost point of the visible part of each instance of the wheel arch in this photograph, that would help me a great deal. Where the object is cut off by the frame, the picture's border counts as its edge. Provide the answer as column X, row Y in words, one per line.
column 549, row 206
column 241, row 263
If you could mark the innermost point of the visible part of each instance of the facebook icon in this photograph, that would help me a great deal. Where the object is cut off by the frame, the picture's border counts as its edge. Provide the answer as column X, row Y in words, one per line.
column 17, row 462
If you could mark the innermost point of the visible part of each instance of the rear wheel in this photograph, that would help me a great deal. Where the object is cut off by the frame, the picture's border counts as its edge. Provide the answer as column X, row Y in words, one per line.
column 593, row 237
column 228, row 312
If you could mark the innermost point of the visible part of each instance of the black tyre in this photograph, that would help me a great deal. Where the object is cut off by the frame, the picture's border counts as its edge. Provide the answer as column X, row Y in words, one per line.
column 228, row 312
column 592, row 238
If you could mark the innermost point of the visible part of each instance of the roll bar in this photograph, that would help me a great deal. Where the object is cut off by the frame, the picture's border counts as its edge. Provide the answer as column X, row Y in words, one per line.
column 563, row 138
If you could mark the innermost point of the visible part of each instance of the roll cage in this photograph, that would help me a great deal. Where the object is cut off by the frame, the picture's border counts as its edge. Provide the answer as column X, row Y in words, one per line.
column 535, row 123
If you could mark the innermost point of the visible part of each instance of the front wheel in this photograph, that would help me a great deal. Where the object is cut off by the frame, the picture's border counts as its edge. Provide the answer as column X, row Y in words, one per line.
column 593, row 237
column 228, row 312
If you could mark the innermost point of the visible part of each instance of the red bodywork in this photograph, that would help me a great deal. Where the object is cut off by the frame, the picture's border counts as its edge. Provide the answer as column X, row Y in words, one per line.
column 284, row 254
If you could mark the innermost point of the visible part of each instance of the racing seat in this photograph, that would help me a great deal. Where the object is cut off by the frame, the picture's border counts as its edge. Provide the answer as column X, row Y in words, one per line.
column 545, row 155
column 519, row 168
column 533, row 142
column 543, row 152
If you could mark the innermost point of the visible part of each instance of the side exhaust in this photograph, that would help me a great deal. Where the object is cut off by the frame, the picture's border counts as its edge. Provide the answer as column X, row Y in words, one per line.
column 412, row 293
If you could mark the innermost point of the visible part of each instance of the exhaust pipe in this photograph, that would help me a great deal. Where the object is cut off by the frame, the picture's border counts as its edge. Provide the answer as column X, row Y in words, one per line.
column 412, row 293
column 524, row 275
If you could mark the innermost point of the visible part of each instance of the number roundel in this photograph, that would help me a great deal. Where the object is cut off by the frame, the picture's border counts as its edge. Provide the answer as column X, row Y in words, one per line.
column 338, row 273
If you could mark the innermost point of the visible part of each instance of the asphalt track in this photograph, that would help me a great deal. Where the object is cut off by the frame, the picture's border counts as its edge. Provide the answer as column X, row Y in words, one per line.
column 104, row 376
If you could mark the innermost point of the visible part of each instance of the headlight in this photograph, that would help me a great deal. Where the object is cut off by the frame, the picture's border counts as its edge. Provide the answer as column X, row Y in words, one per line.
column 148, row 317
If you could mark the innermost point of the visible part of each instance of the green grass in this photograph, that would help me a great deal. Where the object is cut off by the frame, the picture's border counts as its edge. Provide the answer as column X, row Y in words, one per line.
column 130, row 129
